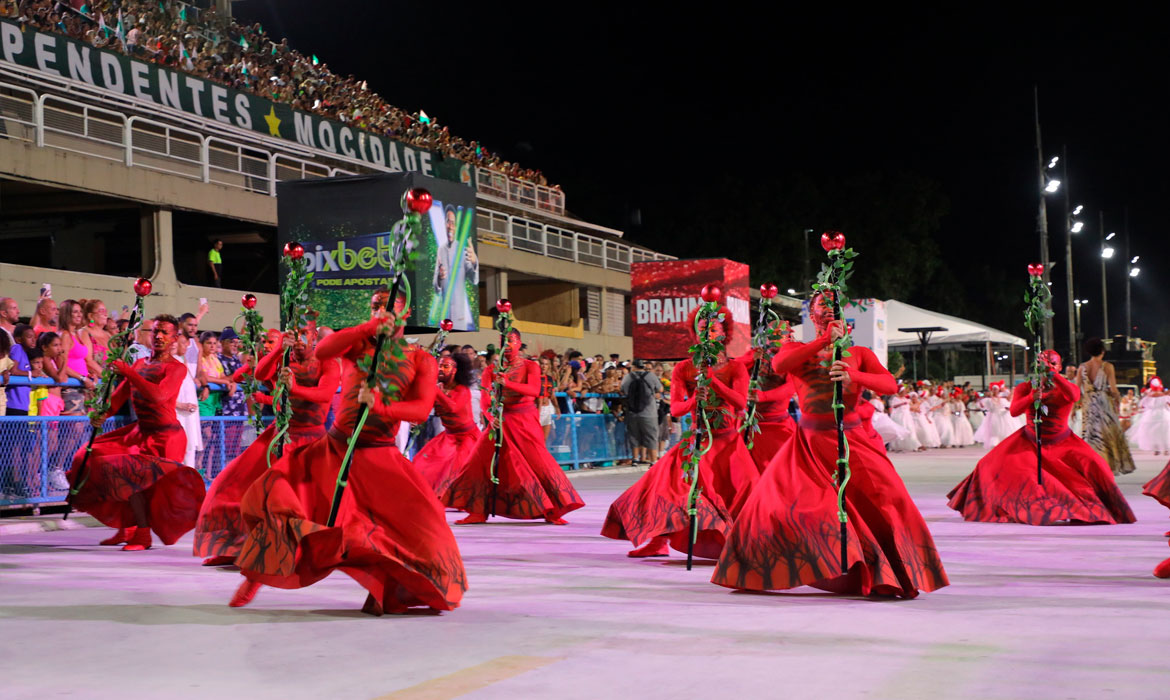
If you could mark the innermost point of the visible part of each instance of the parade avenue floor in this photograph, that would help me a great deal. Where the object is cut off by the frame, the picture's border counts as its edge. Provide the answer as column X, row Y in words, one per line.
column 560, row 613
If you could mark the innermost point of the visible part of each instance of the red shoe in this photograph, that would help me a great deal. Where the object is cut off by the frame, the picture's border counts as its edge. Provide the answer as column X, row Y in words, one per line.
column 372, row 606
column 222, row 560
column 122, row 536
column 244, row 594
column 1163, row 570
column 139, row 541
column 556, row 521
column 656, row 547
column 472, row 519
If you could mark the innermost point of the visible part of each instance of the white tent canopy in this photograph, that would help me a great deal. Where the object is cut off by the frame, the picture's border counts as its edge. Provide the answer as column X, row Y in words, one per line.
column 958, row 331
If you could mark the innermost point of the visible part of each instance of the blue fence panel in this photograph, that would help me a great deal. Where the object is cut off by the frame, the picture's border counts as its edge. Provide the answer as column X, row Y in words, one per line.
column 36, row 451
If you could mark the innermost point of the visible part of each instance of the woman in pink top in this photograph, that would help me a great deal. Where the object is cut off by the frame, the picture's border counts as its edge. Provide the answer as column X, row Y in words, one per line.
column 75, row 343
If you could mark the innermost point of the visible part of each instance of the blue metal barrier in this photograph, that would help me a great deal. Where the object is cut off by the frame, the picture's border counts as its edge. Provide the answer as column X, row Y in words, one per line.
column 36, row 451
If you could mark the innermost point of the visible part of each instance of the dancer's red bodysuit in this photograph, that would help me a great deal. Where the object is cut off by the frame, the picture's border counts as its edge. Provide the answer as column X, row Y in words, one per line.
column 531, row 483
column 446, row 453
column 143, row 457
column 788, row 533
column 654, row 509
column 390, row 535
column 1077, row 484
column 219, row 534
column 776, row 424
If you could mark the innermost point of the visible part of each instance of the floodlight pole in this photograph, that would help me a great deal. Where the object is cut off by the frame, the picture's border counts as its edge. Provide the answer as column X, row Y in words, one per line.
column 1042, row 213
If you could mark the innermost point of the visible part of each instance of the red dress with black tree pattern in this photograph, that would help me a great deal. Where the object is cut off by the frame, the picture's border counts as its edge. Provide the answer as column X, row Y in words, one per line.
column 144, row 457
column 788, row 533
column 391, row 535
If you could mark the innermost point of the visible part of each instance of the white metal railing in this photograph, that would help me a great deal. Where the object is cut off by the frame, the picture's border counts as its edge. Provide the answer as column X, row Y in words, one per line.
column 518, row 233
column 497, row 184
column 58, row 122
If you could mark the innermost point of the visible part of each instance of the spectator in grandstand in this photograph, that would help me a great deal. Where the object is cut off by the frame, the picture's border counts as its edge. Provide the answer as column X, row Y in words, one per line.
column 642, row 391
column 96, row 319
column 247, row 59
column 187, row 405
column 5, row 365
column 45, row 316
column 215, row 262
column 546, row 402
column 210, row 372
column 9, row 317
column 140, row 348
column 78, row 349
column 234, row 403
column 17, row 396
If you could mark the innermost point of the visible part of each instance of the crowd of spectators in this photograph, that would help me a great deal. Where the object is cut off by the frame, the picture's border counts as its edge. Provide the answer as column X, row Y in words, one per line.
column 244, row 57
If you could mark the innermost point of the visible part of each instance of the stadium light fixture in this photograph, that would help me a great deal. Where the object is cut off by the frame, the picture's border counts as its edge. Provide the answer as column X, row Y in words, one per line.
column 1133, row 271
column 1077, row 226
column 1107, row 252
column 1052, row 163
column 791, row 290
column 1110, row 236
column 1135, row 259
column 1078, row 210
column 1053, row 186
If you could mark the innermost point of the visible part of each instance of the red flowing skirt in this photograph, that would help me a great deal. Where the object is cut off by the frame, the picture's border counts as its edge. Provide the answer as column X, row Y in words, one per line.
column 444, row 455
column 769, row 440
column 391, row 535
column 220, row 529
column 1077, row 485
column 127, row 461
column 1158, row 488
column 656, row 505
column 532, row 484
column 788, row 534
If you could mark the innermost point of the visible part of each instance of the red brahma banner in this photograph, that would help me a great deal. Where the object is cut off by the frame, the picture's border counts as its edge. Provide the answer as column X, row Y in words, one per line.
column 665, row 292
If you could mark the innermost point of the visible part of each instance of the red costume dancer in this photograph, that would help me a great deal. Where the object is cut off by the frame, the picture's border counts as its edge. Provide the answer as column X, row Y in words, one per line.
column 219, row 534
column 1077, row 484
column 135, row 479
column 788, row 532
column 390, row 535
column 531, row 483
column 1158, row 488
column 442, row 457
column 654, row 509
column 776, row 424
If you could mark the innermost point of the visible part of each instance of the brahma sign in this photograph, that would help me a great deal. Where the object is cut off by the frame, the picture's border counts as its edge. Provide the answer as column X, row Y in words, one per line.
column 664, row 293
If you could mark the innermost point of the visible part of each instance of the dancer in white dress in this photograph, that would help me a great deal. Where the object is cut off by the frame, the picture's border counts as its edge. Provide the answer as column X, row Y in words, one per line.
column 940, row 416
column 900, row 414
column 961, row 433
column 998, row 423
column 1150, row 430
column 885, row 426
column 924, row 429
column 974, row 411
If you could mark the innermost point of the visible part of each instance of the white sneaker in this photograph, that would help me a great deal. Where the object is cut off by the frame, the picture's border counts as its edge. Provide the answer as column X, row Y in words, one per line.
column 57, row 480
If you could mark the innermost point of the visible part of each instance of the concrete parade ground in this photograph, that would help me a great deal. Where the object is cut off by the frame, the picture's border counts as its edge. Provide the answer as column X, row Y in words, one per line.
column 560, row 612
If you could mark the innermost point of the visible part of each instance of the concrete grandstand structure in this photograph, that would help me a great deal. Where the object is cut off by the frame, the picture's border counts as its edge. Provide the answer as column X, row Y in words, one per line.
column 97, row 186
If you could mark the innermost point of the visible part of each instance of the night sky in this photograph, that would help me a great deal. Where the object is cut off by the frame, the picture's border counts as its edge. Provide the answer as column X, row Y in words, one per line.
column 638, row 111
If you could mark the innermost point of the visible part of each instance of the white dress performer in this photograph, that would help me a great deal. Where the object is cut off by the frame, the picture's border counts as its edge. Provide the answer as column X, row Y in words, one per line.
column 940, row 416
column 924, row 429
column 974, row 414
column 188, row 394
column 998, row 424
column 890, row 431
column 961, row 433
column 900, row 414
column 1150, row 430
